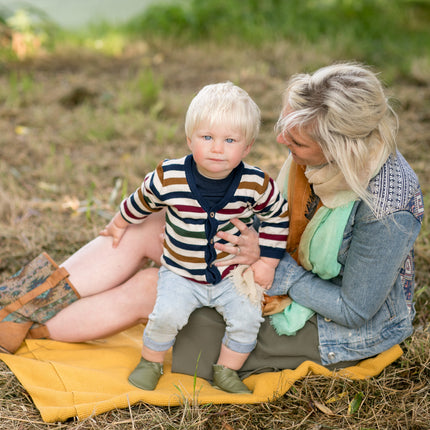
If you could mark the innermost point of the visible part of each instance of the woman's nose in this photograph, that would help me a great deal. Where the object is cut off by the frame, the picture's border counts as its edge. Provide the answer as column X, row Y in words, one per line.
column 280, row 138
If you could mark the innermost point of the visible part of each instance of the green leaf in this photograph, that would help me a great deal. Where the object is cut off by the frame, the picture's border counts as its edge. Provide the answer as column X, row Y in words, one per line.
column 354, row 406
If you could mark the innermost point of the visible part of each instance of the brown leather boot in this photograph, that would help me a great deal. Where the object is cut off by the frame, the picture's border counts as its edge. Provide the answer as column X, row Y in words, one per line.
column 30, row 298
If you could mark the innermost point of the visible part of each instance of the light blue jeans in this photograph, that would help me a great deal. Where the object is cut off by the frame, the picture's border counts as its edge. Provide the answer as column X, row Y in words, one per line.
column 178, row 297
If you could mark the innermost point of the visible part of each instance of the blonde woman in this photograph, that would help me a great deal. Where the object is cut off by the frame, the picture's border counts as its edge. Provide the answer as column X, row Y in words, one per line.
column 355, row 209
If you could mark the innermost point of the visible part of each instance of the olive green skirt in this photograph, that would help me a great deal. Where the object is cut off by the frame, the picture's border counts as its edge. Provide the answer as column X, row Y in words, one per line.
column 198, row 344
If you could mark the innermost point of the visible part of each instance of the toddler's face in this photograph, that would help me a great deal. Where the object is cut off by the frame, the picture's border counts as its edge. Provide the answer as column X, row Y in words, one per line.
column 217, row 149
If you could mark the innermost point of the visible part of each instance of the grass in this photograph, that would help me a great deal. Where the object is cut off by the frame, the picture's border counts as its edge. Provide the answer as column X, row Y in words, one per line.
column 81, row 123
column 381, row 31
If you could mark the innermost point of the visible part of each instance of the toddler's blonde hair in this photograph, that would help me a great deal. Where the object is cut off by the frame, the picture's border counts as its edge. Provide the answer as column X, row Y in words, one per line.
column 224, row 103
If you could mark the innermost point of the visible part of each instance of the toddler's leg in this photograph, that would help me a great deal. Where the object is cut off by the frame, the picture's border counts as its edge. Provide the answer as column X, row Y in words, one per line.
column 231, row 359
column 174, row 304
column 243, row 321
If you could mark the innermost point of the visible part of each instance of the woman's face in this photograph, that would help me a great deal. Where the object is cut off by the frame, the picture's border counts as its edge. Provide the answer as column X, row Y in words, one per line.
column 303, row 149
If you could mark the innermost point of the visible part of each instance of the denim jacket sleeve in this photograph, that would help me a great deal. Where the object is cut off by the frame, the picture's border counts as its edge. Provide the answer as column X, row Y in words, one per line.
column 372, row 253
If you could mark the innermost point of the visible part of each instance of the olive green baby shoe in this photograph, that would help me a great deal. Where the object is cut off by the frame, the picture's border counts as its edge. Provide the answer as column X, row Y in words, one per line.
column 146, row 374
column 228, row 380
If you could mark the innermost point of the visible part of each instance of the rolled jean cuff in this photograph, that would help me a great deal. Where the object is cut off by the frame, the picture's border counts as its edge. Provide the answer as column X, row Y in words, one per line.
column 157, row 346
column 242, row 348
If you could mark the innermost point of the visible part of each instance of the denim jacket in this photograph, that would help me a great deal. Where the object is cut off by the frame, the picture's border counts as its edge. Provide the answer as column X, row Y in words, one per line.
column 368, row 307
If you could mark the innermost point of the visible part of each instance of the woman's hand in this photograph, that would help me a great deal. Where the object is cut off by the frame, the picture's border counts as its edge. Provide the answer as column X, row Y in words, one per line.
column 244, row 248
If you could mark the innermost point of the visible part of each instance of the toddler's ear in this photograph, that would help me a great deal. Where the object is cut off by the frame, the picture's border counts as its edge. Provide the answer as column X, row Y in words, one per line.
column 248, row 149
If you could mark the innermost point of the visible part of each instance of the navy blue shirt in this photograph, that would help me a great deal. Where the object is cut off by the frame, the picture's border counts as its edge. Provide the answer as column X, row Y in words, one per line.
column 212, row 190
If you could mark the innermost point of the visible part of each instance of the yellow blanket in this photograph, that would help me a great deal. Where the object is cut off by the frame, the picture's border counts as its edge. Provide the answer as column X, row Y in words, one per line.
column 67, row 380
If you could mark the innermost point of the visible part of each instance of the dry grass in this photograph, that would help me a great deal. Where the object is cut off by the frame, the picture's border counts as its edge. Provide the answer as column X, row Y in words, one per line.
column 78, row 130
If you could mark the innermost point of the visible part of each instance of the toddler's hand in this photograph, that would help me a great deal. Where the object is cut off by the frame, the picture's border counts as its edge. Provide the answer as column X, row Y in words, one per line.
column 115, row 229
column 264, row 272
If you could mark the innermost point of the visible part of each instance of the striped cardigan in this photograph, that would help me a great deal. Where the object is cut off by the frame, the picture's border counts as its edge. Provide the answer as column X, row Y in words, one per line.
column 191, row 225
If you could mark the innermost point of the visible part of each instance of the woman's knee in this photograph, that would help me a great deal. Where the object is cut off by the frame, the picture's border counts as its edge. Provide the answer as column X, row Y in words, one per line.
column 144, row 283
column 139, row 293
column 147, row 278
column 145, row 238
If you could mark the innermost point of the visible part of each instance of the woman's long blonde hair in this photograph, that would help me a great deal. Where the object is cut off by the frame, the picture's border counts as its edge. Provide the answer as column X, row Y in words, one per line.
column 344, row 109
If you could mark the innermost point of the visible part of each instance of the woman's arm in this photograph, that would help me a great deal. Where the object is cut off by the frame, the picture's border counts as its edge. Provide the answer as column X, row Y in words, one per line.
column 377, row 251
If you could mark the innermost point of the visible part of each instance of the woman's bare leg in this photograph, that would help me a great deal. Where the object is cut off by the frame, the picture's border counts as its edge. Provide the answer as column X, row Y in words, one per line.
column 108, row 312
column 98, row 266
column 114, row 293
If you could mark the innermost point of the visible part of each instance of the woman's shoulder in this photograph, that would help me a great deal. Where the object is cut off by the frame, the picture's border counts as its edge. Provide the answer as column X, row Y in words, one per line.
column 396, row 187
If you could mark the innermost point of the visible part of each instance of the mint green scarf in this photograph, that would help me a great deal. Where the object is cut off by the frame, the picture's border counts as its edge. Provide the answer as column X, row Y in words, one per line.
column 321, row 240
column 318, row 250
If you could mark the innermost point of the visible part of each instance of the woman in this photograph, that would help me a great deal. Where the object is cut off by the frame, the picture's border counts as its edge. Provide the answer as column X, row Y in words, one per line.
column 355, row 212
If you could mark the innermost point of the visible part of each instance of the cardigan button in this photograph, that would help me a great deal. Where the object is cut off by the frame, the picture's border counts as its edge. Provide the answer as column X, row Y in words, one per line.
column 212, row 214
column 331, row 355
